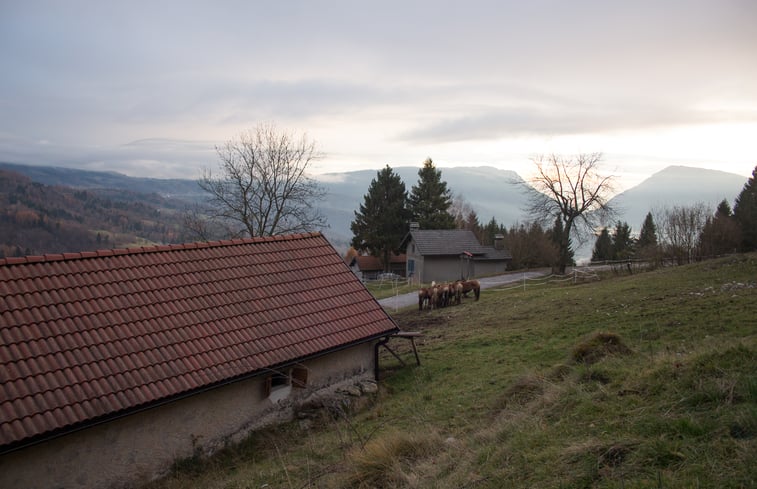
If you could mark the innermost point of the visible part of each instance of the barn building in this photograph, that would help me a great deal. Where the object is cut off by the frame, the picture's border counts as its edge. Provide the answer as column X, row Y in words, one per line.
column 115, row 363
column 451, row 254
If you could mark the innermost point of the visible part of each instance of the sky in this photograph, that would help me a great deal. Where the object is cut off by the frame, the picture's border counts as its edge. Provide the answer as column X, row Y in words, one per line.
column 152, row 88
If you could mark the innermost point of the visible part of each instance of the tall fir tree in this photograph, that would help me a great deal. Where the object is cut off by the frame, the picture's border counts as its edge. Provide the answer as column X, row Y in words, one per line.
column 383, row 218
column 648, row 234
column 622, row 243
column 721, row 233
column 430, row 200
column 603, row 249
column 745, row 213
column 490, row 231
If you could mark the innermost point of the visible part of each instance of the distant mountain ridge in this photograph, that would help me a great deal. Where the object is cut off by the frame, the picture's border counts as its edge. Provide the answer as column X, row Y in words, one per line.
column 491, row 192
column 182, row 189
column 676, row 185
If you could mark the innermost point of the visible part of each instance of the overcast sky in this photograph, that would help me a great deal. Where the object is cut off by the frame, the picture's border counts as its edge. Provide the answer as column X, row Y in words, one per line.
column 150, row 88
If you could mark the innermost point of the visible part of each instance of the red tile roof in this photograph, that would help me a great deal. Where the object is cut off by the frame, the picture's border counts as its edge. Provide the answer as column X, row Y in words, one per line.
column 85, row 336
column 368, row 262
column 371, row 263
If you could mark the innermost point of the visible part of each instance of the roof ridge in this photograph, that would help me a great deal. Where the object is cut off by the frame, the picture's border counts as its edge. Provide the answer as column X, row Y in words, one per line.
column 51, row 257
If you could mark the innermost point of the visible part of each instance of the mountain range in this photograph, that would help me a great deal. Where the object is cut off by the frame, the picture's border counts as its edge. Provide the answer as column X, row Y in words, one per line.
column 489, row 191
column 677, row 185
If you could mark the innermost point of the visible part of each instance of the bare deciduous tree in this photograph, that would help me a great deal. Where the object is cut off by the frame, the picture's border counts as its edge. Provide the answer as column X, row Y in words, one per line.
column 679, row 228
column 461, row 210
column 571, row 189
column 262, row 187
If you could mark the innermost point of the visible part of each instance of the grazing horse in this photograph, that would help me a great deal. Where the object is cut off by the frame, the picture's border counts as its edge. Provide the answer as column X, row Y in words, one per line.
column 424, row 298
column 473, row 285
column 434, row 297
column 457, row 291
column 444, row 295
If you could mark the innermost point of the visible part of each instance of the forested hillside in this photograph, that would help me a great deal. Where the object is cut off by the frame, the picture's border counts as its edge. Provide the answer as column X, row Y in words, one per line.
column 38, row 219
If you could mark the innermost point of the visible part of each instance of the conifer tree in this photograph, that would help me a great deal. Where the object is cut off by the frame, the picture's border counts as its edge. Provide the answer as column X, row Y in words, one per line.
column 602, row 247
column 490, row 231
column 745, row 213
column 622, row 243
column 648, row 234
column 721, row 233
column 383, row 218
column 430, row 200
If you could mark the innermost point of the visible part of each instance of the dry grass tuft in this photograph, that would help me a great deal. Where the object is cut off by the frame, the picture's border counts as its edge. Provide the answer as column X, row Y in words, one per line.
column 387, row 461
column 598, row 346
column 521, row 392
column 559, row 372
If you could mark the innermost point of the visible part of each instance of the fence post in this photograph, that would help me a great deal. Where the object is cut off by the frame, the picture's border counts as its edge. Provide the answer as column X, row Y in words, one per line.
column 524, row 281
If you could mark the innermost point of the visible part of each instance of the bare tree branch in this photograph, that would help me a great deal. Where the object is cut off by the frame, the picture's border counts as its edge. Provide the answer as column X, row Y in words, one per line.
column 572, row 189
column 262, row 187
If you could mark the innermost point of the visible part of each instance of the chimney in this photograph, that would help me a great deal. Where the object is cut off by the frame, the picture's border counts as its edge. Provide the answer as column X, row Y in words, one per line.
column 414, row 226
column 499, row 241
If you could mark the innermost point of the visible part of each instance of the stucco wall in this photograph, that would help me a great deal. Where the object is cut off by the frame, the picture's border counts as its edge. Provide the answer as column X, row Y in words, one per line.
column 491, row 267
column 139, row 447
column 441, row 269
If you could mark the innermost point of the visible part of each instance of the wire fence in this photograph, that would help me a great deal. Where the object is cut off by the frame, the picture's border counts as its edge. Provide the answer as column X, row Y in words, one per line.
column 584, row 274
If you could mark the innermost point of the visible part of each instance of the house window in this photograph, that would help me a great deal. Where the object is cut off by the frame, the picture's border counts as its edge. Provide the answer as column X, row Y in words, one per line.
column 410, row 266
column 279, row 380
column 279, row 385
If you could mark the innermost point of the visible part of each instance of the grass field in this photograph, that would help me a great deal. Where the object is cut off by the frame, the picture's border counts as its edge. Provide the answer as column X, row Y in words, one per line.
column 634, row 381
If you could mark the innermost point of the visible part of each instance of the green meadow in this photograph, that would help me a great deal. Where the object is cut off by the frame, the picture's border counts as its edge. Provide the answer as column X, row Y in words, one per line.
column 646, row 380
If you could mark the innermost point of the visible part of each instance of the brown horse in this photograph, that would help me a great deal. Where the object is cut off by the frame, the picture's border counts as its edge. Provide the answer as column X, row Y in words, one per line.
column 424, row 298
column 435, row 293
column 444, row 295
column 473, row 285
column 457, row 291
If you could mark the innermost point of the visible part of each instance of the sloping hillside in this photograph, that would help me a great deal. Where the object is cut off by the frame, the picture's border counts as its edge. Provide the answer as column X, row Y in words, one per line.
column 677, row 185
column 646, row 380
column 38, row 219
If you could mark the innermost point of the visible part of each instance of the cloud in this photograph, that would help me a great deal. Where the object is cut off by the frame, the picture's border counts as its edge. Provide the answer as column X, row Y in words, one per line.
column 381, row 81
column 569, row 119
column 158, row 158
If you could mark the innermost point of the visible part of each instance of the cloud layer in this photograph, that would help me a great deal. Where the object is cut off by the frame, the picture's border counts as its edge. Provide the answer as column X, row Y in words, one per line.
column 383, row 83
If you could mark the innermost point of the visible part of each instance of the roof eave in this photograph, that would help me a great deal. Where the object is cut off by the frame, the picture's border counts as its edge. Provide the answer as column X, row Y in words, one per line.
column 59, row 432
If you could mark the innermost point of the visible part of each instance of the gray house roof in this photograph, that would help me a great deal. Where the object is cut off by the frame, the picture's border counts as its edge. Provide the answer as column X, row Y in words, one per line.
column 445, row 242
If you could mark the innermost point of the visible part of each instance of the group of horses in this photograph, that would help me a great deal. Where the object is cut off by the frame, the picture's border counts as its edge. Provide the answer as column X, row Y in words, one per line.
column 443, row 295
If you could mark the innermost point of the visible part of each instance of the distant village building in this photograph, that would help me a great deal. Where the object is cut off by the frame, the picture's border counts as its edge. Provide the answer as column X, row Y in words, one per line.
column 451, row 254
column 368, row 267
column 115, row 363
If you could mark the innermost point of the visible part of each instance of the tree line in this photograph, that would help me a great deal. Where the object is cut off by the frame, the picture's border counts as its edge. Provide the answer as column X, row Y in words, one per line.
column 384, row 217
column 262, row 188
column 683, row 234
